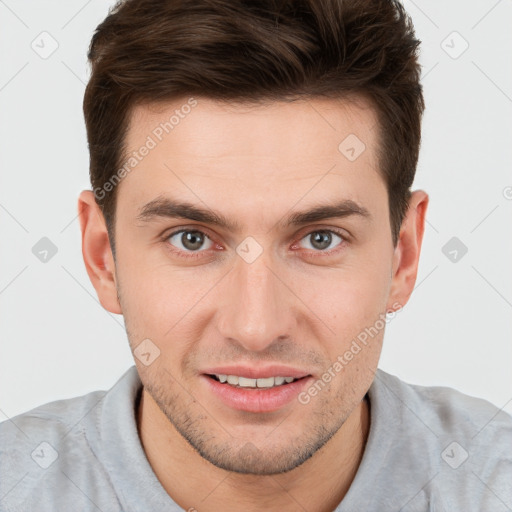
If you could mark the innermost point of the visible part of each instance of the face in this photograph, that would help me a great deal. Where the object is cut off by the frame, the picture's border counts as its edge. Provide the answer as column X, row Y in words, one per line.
column 250, row 244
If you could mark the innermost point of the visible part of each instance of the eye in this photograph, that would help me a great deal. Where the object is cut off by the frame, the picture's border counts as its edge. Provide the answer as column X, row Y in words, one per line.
column 321, row 240
column 189, row 240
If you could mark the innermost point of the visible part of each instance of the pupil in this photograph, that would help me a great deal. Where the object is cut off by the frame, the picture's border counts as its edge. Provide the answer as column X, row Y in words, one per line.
column 321, row 239
column 192, row 240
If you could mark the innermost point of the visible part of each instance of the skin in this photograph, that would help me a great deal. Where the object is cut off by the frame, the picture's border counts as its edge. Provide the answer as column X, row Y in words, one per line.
column 296, row 304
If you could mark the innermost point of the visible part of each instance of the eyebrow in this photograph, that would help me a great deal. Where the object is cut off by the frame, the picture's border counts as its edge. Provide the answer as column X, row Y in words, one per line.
column 163, row 207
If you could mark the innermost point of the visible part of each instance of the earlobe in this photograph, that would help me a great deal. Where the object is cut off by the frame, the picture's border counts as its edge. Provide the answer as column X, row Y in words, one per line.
column 97, row 252
column 407, row 251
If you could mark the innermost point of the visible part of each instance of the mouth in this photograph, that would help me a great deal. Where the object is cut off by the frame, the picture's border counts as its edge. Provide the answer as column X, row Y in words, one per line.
column 238, row 381
column 255, row 391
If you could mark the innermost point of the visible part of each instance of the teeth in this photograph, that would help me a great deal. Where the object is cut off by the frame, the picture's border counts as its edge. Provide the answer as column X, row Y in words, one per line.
column 265, row 383
column 244, row 382
column 232, row 379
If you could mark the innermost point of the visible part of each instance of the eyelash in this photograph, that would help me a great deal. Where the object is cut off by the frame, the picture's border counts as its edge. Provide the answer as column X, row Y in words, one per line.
column 198, row 254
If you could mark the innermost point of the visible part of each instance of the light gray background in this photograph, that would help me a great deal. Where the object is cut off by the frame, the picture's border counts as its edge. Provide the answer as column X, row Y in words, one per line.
column 56, row 339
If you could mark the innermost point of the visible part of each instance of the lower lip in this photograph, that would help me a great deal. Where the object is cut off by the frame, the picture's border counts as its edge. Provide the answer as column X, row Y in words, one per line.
column 259, row 399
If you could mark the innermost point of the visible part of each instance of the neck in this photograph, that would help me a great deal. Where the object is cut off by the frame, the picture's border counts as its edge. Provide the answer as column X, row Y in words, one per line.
column 318, row 484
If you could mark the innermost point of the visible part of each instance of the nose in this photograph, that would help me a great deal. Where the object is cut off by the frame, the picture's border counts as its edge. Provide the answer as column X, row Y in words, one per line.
column 257, row 305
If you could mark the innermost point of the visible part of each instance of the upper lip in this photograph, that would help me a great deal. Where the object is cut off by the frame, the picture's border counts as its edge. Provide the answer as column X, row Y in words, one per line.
column 251, row 372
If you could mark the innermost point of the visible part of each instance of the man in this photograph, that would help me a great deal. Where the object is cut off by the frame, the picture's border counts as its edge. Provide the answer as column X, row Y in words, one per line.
column 251, row 218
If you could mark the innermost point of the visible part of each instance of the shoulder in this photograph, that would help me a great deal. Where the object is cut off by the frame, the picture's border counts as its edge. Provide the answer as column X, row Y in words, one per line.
column 459, row 446
column 445, row 409
column 46, row 457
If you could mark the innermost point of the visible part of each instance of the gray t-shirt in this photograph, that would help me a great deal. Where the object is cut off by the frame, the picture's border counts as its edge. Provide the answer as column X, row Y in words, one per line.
column 429, row 449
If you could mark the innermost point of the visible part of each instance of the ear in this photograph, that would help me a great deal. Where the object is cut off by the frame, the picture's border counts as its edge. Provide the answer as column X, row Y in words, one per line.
column 96, row 251
column 407, row 251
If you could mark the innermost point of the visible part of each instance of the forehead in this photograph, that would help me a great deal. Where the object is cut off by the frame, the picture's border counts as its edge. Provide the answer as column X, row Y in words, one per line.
column 251, row 153
column 305, row 125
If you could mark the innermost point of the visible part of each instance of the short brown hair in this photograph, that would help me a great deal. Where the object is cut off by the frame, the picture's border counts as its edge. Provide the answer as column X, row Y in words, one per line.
column 148, row 51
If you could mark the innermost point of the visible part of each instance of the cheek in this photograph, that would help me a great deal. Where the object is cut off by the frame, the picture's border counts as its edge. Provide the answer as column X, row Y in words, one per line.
column 162, row 301
column 150, row 284
column 152, row 297
column 352, row 302
column 170, row 306
column 350, row 295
